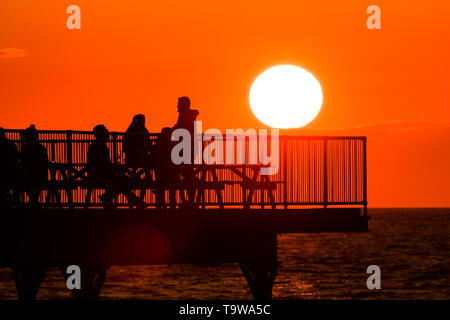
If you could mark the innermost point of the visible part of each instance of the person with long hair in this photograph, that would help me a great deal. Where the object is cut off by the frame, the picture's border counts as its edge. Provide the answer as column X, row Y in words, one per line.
column 34, row 164
column 136, row 143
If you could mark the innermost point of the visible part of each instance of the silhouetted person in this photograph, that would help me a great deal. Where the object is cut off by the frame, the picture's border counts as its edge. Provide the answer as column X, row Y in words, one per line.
column 186, row 120
column 102, row 172
column 98, row 161
column 165, row 171
column 186, row 115
column 9, row 168
column 34, row 164
column 136, row 143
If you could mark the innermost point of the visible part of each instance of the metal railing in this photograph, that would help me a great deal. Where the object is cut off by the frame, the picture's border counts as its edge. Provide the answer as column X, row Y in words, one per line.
column 313, row 171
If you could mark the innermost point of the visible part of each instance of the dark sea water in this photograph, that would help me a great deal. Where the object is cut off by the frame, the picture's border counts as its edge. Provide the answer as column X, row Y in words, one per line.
column 411, row 246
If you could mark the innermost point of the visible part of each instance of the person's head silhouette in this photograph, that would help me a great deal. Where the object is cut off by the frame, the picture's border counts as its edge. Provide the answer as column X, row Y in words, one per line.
column 100, row 133
column 138, row 122
column 184, row 104
column 30, row 135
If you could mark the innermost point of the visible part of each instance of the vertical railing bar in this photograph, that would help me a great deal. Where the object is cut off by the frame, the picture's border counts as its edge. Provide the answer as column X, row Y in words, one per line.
column 114, row 136
column 69, row 167
column 355, row 171
column 325, row 178
column 285, row 170
column 69, row 155
column 308, row 161
column 365, row 175
column 52, row 143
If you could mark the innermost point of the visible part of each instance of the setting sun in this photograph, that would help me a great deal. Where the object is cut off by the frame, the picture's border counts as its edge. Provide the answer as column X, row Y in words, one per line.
column 286, row 96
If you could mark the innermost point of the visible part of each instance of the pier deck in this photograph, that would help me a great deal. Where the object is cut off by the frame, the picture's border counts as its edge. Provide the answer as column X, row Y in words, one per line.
column 64, row 236
column 32, row 241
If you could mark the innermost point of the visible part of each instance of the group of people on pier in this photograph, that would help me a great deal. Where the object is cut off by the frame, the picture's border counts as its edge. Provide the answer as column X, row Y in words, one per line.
column 28, row 170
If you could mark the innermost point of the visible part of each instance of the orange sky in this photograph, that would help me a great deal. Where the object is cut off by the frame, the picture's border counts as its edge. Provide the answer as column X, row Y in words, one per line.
column 138, row 56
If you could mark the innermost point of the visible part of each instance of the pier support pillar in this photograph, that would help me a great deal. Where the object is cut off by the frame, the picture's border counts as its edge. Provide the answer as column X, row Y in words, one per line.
column 260, row 278
column 28, row 281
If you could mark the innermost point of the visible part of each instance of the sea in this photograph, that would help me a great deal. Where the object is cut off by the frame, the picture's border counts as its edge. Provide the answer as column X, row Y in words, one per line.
column 410, row 246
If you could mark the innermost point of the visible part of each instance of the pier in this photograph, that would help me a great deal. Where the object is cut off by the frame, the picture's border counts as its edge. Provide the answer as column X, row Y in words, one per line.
column 233, row 215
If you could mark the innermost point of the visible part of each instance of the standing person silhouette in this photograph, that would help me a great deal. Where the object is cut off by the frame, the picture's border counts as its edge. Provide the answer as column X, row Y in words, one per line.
column 34, row 163
column 9, row 168
column 166, row 175
column 136, row 146
column 136, row 143
column 186, row 120
column 98, row 161
column 186, row 115
column 101, row 172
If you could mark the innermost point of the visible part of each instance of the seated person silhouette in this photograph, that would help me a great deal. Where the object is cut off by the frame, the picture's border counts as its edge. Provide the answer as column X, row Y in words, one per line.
column 34, row 163
column 165, row 171
column 9, row 169
column 136, row 143
column 186, row 120
column 102, row 173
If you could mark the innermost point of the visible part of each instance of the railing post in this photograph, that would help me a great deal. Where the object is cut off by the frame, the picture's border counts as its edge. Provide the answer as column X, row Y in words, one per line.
column 69, row 155
column 69, row 168
column 325, row 176
column 284, row 155
column 114, row 136
column 365, row 175
column 53, row 150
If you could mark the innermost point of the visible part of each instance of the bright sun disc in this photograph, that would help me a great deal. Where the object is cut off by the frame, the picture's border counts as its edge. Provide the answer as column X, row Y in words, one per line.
column 286, row 96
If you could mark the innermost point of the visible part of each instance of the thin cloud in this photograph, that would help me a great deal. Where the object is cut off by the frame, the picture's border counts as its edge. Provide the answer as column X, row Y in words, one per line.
column 392, row 125
column 375, row 127
column 12, row 53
